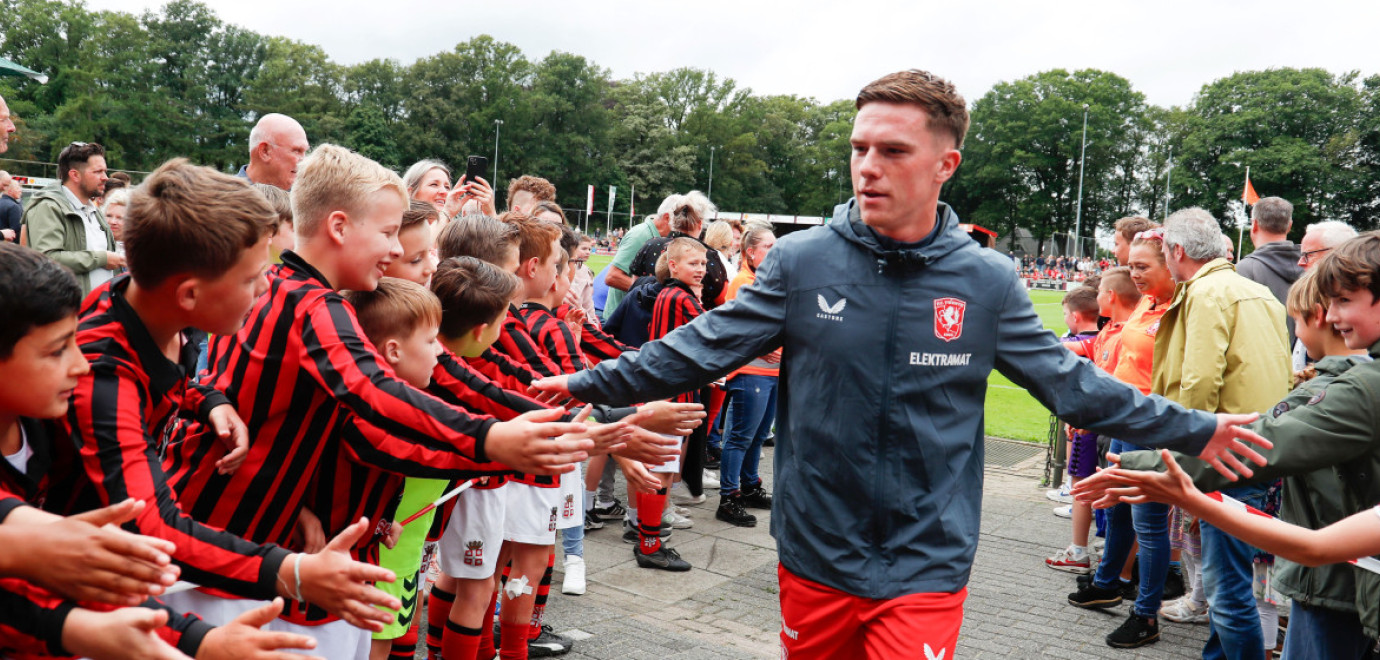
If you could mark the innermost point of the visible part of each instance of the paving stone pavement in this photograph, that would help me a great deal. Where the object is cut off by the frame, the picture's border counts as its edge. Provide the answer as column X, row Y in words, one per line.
column 727, row 606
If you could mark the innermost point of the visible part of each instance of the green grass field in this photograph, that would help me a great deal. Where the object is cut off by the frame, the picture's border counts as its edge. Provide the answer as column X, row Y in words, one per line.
column 1011, row 411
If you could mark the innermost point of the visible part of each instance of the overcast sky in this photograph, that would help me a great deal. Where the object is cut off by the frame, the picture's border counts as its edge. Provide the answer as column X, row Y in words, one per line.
column 828, row 50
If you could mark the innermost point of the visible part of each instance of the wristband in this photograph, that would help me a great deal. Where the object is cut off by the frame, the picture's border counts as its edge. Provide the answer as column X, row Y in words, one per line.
column 297, row 575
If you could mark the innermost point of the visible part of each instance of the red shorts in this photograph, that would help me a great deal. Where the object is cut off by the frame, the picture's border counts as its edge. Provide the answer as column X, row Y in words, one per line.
column 823, row 622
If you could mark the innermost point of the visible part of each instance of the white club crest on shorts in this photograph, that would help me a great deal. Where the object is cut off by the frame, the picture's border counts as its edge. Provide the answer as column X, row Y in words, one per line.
column 948, row 318
column 930, row 654
column 474, row 553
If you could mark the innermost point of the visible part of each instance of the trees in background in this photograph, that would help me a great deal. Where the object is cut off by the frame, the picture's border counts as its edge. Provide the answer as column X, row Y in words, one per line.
column 180, row 82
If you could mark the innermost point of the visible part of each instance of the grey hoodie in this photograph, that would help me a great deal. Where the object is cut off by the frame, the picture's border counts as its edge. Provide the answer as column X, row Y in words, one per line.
column 1276, row 265
column 879, row 455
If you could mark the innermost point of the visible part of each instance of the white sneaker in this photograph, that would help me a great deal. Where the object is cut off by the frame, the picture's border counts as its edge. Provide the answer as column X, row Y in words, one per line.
column 574, row 583
column 670, row 517
column 1184, row 610
column 680, row 494
column 1064, row 511
column 680, row 510
column 1061, row 495
column 711, row 480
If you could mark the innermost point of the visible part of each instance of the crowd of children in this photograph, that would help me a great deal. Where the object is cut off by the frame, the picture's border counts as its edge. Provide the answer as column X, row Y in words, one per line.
column 359, row 427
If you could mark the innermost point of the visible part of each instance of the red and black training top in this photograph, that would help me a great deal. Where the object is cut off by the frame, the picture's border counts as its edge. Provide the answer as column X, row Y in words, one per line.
column 515, row 342
column 501, row 369
column 676, row 305
column 32, row 618
column 596, row 344
column 298, row 372
column 457, row 383
column 553, row 336
column 122, row 412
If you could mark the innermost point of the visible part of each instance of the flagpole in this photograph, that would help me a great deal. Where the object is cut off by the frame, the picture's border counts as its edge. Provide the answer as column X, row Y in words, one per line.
column 1241, row 227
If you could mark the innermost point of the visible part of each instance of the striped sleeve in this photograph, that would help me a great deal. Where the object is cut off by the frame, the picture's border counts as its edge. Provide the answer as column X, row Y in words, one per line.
column 555, row 338
column 31, row 619
column 600, row 345
column 106, row 421
column 459, row 385
column 503, row 370
column 398, row 420
column 515, row 341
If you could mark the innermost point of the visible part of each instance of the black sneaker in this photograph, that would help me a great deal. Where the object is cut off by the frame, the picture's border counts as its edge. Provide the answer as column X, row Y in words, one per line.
column 731, row 511
column 1130, row 590
column 1136, row 632
column 611, row 511
column 630, row 533
column 1085, row 580
column 665, row 559
column 1095, row 597
column 711, row 457
column 770, row 441
column 593, row 522
column 756, row 497
column 548, row 644
column 1173, row 584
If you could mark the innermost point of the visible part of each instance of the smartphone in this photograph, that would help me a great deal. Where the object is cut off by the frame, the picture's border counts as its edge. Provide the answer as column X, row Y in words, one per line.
column 475, row 166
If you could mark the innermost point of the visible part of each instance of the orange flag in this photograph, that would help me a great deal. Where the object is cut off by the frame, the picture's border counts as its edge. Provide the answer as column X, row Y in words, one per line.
column 1248, row 195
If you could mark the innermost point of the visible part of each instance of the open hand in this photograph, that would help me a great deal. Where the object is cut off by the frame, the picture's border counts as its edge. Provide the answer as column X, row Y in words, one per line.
column 87, row 557
column 639, row 478
column 129, row 633
column 532, row 443
column 551, row 391
column 669, row 418
column 245, row 638
column 333, row 580
column 1232, row 437
column 648, row 447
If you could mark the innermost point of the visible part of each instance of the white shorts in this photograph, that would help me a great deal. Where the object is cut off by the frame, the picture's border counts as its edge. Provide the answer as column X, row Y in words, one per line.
column 572, row 500
column 336, row 639
column 532, row 514
column 469, row 547
column 214, row 610
column 672, row 466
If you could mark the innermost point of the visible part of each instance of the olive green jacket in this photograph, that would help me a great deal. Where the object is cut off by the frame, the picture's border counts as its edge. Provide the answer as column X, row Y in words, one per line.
column 57, row 230
column 1222, row 345
column 1336, row 430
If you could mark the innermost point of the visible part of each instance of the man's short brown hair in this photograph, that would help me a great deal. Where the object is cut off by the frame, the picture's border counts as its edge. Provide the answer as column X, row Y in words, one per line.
column 534, row 236
column 191, row 219
column 549, row 207
column 76, row 155
column 945, row 110
column 1350, row 266
column 1131, row 225
column 540, row 188
column 472, row 292
column 394, row 310
column 477, row 236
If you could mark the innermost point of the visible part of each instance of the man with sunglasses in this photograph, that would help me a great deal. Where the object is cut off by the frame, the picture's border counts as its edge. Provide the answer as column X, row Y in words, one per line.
column 66, row 225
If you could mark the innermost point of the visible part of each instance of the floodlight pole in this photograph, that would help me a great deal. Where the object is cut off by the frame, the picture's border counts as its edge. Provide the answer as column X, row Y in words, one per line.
column 1078, row 218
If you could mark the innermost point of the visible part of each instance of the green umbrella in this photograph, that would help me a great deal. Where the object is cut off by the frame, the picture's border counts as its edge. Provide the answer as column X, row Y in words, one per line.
column 8, row 68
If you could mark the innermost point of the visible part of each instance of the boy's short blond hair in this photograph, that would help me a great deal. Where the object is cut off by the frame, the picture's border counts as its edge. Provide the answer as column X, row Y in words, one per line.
column 396, row 309
column 676, row 249
column 333, row 178
column 1306, row 297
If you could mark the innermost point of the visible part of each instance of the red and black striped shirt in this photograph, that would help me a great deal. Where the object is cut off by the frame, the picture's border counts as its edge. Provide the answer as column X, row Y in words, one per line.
column 32, row 619
column 122, row 412
column 502, row 370
column 299, row 371
column 676, row 305
column 553, row 336
column 515, row 342
column 596, row 344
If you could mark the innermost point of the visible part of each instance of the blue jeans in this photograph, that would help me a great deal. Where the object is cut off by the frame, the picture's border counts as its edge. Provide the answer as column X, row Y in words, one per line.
column 1234, row 628
column 573, row 539
column 1126, row 524
column 751, row 411
column 1317, row 632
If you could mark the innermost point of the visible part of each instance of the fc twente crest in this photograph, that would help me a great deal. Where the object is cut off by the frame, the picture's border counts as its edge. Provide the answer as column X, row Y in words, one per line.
column 948, row 318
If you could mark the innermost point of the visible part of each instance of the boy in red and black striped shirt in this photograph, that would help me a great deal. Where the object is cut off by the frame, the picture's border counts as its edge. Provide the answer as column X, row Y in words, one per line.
column 676, row 305
column 301, row 368
column 99, row 569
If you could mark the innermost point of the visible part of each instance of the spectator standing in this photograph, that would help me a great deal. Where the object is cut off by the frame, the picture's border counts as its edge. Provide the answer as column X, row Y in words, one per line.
column 687, row 220
column 619, row 277
column 114, row 211
column 525, row 191
column 1222, row 347
column 277, row 143
column 1126, row 230
column 1275, row 261
column 11, row 212
column 63, row 223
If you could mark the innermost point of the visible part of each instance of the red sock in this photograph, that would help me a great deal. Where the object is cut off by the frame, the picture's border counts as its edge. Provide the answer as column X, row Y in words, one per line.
column 462, row 643
column 514, row 642
column 437, row 613
column 649, row 510
column 486, row 640
column 543, row 593
column 405, row 647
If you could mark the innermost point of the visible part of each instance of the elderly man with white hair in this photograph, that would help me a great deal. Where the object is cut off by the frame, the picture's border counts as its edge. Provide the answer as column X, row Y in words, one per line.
column 1320, row 238
column 276, row 144
column 11, row 212
column 1222, row 347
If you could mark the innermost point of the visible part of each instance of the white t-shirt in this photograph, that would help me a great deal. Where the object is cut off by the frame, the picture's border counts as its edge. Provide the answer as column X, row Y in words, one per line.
column 95, row 237
column 20, row 459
